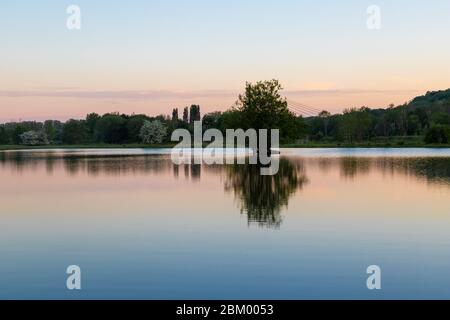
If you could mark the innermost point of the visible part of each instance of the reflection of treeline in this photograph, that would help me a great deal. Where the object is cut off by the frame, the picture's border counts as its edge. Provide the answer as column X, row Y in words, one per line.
column 91, row 164
column 431, row 169
column 94, row 165
column 260, row 198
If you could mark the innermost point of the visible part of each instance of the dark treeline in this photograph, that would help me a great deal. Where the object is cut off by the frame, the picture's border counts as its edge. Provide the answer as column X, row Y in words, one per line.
column 260, row 107
column 110, row 128
column 426, row 116
column 425, row 119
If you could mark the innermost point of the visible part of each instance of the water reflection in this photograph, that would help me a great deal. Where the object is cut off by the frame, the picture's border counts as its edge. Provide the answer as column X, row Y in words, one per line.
column 352, row 167
column 93, row 165
column 176, row 232
column 432, row 170
column 263, row 197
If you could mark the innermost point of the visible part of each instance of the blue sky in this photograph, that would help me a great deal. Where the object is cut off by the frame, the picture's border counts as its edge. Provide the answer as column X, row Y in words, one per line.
column 204, row 51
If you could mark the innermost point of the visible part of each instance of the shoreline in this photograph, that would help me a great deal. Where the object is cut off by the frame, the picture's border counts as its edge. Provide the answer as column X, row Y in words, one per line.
column 286, row 146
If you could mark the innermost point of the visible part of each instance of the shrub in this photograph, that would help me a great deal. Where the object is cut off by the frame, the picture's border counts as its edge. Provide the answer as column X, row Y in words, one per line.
column 438, row 134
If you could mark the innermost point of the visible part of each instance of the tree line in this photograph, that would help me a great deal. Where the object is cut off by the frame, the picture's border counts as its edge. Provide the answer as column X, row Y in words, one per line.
column 260, row 107
column 110, row 128
column 427, row 117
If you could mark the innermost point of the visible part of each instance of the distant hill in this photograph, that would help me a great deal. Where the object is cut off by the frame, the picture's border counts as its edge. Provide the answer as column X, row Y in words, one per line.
column 427, row 116
column 432, row 99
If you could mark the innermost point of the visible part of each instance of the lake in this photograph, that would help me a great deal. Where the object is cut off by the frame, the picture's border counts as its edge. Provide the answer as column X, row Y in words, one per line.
column 141, row 227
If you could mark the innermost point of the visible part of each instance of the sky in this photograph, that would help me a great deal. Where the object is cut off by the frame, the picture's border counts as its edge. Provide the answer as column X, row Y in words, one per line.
column 151, row 56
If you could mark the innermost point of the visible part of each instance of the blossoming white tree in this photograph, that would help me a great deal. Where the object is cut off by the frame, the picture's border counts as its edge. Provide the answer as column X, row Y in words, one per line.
column 153, row 132
column 33, row 138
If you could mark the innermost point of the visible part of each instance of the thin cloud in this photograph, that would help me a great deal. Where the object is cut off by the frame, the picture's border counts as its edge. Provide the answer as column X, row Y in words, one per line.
column 121, row 94
column 167, row 94
column 349, row 92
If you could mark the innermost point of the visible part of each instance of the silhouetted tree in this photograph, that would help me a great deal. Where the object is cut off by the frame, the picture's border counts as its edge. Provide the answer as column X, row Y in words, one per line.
column 262, row 107
column 438, row 134
column 133, row 126
column 91, row 122
column 325, row 117
column 194, row 113
column 111, row 128
column 75, row 132
column 186, row 115
column 175, row 115
column 4, row 139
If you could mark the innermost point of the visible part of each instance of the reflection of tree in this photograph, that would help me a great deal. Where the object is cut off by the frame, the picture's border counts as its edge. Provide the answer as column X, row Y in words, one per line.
column 196, row 171
column 434, row 170
column 73, row 165
column 191, row 171
column 49, row 165
column 93, row 165
column 351, row 167
column 176, row 171
column 325, row 164
column 262, row 197
column 17, row 160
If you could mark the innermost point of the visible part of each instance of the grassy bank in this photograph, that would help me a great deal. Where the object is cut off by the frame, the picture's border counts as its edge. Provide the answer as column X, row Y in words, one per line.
column 376, row 142
column 293, row 145
column 363, row 145
column 86, row 146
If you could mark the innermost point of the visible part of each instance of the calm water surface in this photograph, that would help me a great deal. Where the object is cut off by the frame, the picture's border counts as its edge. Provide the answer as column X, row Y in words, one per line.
column 141, row 227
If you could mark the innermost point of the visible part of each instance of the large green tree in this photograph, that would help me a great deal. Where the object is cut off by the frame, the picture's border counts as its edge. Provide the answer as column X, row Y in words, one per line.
column 263, row 107
column 186, row 115
column 91, row 122
column 75, row 132
column 134, row 125
column 4, row 139
column 111, row 128
column 194, row 113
